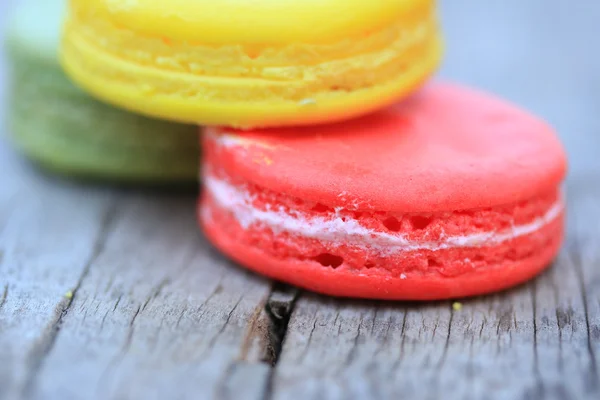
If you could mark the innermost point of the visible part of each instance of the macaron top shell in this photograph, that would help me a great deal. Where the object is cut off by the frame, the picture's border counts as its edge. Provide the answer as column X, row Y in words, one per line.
column 447, row 148
column 262, row 22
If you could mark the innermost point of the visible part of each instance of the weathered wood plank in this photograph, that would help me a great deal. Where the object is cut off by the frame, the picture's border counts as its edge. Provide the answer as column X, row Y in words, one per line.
column 160, row 315
column 49, row 234
column 155, row 312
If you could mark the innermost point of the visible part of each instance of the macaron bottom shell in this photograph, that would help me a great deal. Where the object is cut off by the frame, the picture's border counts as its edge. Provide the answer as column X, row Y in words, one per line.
column 325, row 275
column 66, row 131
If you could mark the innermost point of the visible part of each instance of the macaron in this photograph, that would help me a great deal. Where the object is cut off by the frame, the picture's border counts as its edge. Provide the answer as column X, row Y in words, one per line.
column 451, row 193
column 251, row 63
column 64, row 129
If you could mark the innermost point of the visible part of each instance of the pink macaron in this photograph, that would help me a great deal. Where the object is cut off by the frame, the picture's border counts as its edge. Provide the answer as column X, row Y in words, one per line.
column 453, row 193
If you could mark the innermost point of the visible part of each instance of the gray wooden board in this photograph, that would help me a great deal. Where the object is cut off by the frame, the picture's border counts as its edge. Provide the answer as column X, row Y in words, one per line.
column 156, row 313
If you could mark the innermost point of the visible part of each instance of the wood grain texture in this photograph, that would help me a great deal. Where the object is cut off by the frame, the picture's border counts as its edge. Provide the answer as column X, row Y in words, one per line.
column 159, row 310
column 156, row 313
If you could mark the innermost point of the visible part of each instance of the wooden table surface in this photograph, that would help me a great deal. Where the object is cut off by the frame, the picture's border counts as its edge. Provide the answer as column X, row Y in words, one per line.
column 156, row 313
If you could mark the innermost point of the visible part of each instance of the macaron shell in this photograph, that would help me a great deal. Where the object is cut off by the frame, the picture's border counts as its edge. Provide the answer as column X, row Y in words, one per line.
column 313, row 276
column 65, row 130
column 276, row 22
column 447, row 148
column 143, row 58
column 53, row 140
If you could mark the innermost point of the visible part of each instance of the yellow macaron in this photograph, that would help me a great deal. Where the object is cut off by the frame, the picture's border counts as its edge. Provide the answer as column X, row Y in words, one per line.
column 251, row 63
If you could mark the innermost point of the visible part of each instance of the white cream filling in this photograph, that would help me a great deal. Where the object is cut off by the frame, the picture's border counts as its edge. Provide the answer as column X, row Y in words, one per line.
column 350, row 232
column 230, row 140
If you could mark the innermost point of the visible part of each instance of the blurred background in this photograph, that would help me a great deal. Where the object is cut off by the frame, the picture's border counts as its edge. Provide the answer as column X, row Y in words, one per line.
column 537, row 54
column 540, row 54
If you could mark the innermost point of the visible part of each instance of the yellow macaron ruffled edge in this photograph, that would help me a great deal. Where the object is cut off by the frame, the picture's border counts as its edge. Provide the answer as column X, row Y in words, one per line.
column 197, row 75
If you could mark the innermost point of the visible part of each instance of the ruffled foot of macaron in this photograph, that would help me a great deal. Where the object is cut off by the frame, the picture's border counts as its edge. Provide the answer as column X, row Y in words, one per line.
column 65, row 130
column 452, row 193
column 251, row 63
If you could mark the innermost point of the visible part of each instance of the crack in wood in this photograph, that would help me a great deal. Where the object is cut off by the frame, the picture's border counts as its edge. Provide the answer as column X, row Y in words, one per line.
column 130, row 332
column 43, row 346
column 352, row 353
column 104, row 376
column 398, row 360
column 339, row 331
column 594, row 380
column 156, row 291
column 555, row 294
column 386, row 335
column 560, row 338
column 200, row 309
column 183, row 311
column 482, row 326
column 373, row 320
column 41, row 350
column 447, row 341
column 504, row 322
column 135, row 315
column 103, row 320
column 268, row 324
column 117, row 303
column 539, row 388
column 4, row 295
column 279, row 308
column 82, row 304
column 310, row 336
column 213, row 340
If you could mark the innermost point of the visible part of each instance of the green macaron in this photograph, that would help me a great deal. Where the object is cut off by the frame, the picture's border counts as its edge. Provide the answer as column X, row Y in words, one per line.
column 63, row 129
